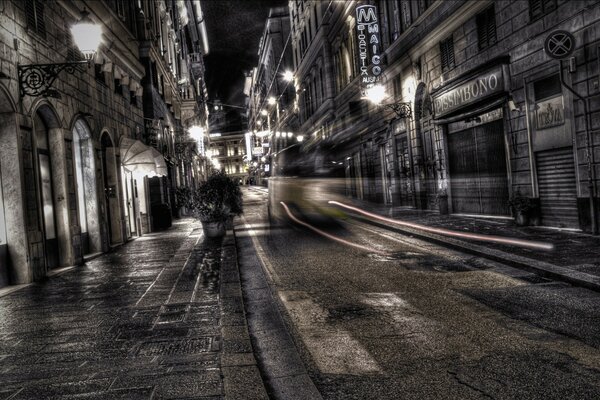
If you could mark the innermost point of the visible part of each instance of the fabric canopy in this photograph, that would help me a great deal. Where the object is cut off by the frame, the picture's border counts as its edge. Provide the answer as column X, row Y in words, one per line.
column 141, row 159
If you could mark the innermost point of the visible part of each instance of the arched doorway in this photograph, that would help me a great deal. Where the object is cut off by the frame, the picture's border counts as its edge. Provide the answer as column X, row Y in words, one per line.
column 44, row 183
column 426, row 154
column 87, row 197
column 110, row 184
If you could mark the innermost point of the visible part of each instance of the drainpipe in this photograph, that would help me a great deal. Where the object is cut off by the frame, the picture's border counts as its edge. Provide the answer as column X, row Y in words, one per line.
column 591, row 188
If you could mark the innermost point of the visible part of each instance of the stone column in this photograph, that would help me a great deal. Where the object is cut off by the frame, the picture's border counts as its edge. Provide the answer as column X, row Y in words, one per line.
column 14, row 200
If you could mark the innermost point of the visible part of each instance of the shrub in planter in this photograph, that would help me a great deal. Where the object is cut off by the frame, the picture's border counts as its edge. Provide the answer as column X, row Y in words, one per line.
column 183, row 199
column 523, row 208
column 441, row 199
column 217, row 200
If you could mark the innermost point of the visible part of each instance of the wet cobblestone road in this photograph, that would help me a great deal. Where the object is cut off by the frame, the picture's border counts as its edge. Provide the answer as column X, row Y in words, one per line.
column 137, row 323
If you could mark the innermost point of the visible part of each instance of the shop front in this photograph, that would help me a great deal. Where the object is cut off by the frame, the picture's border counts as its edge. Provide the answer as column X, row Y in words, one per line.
column 553, row 155
column 403, row 168
column 138, row 163
column 472, row 114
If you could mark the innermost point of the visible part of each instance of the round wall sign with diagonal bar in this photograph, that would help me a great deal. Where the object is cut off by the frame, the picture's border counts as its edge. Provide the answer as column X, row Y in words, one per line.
column 559, row 44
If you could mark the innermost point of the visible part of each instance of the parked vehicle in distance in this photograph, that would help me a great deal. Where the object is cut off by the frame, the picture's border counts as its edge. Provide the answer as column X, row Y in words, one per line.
column 305, row 180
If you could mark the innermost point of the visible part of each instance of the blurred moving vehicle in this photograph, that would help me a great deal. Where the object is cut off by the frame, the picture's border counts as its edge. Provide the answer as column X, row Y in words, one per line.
column 305, row 180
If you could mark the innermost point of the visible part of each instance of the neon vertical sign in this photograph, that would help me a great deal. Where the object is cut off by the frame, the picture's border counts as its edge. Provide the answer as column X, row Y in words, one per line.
column 369, row 45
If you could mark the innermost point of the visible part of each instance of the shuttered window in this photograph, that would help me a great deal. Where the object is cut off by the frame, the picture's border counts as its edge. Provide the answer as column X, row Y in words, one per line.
column 539, row 8
column 447, row 54
column 34, row 12
column 486, row 28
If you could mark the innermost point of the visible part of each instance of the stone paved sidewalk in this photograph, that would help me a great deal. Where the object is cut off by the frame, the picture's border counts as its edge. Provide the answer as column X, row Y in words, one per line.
column 149, row 320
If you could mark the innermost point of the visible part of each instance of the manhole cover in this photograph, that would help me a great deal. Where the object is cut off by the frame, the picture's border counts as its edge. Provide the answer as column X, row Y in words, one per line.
column 170, row 347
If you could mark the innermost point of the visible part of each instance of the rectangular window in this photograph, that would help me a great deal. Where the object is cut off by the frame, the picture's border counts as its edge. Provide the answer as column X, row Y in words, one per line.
column 394, row 17
column 486, row 28
column 406, row 14
column 398, row 86
column 132, row 98
column 539, row 8
column 99, row 74
column 547, row 87
column 34, row 12
column 447, row 54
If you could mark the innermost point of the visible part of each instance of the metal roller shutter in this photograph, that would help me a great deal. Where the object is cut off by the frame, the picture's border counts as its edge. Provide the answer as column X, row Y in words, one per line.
column 557, row 188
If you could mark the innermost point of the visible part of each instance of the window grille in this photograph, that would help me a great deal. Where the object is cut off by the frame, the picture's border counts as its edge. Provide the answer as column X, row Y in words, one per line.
column 34, row 12
column 486, row 28
column 539, row 8
column 447, row 54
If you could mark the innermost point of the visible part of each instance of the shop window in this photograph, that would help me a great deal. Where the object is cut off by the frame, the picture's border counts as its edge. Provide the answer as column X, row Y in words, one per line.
column 486, row 28
column 34, row 12
column 447, row 54
column 539, row 8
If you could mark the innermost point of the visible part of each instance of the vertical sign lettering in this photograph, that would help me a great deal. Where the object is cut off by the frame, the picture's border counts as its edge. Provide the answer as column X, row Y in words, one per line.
column 369, row 45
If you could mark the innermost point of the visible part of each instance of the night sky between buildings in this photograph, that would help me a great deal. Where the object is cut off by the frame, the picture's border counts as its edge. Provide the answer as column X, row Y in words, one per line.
column 234, row 30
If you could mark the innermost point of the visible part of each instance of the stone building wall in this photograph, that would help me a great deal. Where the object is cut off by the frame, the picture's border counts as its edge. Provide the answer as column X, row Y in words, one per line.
column 78, row 96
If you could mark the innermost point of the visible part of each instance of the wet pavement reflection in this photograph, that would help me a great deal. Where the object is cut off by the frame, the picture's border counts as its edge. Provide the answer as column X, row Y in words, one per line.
column 140, row 322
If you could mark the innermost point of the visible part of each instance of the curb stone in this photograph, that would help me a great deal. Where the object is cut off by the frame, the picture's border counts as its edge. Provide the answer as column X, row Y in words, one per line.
column 241, row 377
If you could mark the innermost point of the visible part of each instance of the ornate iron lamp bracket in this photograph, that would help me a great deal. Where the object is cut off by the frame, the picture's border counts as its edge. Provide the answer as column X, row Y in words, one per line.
column 37, row 79
column 402, row 110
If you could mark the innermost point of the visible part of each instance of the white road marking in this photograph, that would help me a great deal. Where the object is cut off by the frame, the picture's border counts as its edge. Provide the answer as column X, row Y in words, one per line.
column 333, row 349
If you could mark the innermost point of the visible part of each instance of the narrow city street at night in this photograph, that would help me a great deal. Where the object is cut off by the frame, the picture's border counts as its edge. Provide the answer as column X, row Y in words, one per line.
column 299, row 199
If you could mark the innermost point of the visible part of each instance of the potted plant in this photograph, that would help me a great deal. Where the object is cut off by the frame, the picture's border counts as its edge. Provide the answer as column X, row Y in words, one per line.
column 441, row 199
column 522, row 208
column 183, row 200
column 216, row 201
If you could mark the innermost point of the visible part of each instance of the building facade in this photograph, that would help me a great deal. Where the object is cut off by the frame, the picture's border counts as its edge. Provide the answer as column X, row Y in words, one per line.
column 228, row 155
column 271, row 94
column 476, row 113
column 74, row 155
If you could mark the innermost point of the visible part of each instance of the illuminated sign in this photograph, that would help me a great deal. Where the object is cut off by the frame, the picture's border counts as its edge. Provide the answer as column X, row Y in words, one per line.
column 257, row 151
column 367, row 27
column 469, row 92
column 214, row 135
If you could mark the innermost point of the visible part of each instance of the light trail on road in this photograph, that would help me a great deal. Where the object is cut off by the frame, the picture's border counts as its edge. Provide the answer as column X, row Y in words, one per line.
column 329, row 236
column 473, row 236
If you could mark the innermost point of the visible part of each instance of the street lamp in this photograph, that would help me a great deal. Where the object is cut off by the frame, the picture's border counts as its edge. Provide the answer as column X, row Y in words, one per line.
column 288, row 76
column 376, row 94
column 271, row 100
column 197, row 133
column 37, row 79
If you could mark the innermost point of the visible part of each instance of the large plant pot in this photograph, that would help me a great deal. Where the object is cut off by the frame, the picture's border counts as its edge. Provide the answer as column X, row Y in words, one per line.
column 522, row 218
column 443, row 205
column 229, row 223
column 213, row 228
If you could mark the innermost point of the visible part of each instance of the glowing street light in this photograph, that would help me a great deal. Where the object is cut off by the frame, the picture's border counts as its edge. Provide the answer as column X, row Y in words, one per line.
column 271, row 100
column 196, row 132
column 87, row 35
column 300, row 138
column 375, row 94
column 288, row 76
column 263, row 112
column 37, row 79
